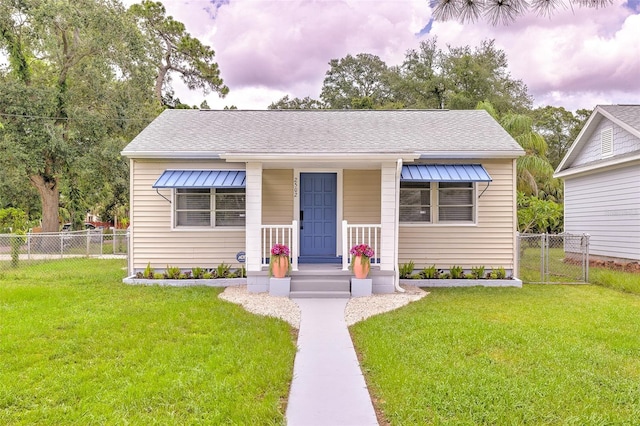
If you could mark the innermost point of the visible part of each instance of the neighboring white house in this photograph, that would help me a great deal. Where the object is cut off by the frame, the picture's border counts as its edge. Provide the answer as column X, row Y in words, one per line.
column 435, row 187
column 601, row 173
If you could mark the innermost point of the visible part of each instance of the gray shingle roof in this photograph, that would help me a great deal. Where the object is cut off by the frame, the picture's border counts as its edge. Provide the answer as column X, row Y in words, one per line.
column 627, row 116
column 321, row 132
column 630, row 114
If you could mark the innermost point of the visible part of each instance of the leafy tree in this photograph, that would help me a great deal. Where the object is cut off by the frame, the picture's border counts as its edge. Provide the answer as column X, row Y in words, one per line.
column 559, row 128
column 15, row 221
column 75, row 80
column 535, row 174
column 458, row 78
column 296, row 103
column 539, row 216
column 351, row 80
column 501, row 11
column 12, row 220
column 174, row 50
column 479, row 75
column 420, row 82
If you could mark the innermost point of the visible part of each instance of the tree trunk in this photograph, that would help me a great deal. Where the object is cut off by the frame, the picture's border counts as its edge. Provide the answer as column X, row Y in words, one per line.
column 50, row 198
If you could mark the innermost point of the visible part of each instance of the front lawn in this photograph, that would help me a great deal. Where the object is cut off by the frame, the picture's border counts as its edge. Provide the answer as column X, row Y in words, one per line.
column 536, row 355
column 79, row 347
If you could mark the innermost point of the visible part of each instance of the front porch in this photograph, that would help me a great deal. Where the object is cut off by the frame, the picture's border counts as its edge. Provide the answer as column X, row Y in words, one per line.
column 322, row 281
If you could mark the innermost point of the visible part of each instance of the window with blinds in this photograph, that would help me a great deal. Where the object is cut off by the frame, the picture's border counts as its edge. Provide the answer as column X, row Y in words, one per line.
column 455, row 202
column 415, row 202
column 230, row 207
column 209, row 207
column 437, row 202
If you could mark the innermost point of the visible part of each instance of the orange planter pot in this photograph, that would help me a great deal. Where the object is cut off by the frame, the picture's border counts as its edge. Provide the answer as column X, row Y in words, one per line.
column 360, row 267
column 279, row 266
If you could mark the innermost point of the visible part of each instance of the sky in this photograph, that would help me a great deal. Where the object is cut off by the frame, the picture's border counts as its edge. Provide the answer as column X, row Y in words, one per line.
column 266, row 49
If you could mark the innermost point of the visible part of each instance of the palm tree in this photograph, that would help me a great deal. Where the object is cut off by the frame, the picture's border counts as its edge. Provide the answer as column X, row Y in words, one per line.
column 535, row 173
column 503, row 11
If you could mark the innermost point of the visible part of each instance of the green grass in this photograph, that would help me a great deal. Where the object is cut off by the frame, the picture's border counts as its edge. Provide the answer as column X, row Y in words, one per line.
column 559, row 270
column 617, row 280
column 79, row 347
column 536, row 355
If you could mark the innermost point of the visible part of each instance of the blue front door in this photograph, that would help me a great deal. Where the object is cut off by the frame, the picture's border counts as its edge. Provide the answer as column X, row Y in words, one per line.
column 317, row 217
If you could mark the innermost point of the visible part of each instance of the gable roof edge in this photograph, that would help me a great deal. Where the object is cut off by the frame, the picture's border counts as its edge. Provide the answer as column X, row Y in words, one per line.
column 578, row 141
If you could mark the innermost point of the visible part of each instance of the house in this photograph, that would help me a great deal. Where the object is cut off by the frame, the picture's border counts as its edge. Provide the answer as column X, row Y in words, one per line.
column 601, row 173
column 435, row 187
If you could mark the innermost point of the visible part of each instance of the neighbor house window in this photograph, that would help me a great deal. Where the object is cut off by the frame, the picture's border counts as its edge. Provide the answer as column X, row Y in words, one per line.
column 437, row 202
column 209, row 207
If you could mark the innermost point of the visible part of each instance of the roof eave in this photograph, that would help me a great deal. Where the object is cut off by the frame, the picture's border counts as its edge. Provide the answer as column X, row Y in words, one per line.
column 597, row 166
column 314, row 157
column 182, row 155
column 470, row 155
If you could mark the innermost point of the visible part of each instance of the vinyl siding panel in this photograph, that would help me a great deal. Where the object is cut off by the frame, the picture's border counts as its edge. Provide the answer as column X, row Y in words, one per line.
column 606, row 205
column 623, row 143
column 153, row 240
column 361, row 196
column 277, row 197
column 489, row 242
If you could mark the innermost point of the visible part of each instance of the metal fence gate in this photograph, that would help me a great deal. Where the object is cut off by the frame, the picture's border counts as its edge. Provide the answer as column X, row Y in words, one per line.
column 553, row 258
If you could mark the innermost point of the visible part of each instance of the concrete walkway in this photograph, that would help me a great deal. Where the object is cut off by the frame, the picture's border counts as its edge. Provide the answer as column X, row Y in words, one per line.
column 328, row 387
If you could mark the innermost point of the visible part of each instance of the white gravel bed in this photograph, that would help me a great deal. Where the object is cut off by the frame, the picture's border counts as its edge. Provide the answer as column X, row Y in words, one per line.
column 358, row 308
column 361, row 308
column 263, row 304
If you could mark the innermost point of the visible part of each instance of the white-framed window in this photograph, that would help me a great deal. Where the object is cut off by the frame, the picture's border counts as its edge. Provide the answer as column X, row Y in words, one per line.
column 415, row 202
column 437, row 202
column 209, row 207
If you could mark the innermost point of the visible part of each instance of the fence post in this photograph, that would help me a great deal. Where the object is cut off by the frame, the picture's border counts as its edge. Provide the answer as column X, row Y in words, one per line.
column 585, row 256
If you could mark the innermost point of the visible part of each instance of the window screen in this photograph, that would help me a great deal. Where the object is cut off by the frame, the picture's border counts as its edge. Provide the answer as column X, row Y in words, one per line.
column 210, row 207
column 193, row 207
column 415, row 202
column 455, row 202
column 230, row 207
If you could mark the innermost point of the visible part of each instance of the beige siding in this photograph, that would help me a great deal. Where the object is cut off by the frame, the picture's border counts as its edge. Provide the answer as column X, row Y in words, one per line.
column 490, row 242
column 277, row 197
column 361, row 196
column 154, row 241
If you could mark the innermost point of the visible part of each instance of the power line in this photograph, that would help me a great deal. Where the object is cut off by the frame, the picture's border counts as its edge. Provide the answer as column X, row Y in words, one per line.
column 44, row 117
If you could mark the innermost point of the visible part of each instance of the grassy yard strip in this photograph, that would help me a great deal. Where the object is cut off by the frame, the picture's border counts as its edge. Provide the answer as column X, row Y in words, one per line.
column 536, row 355
column 623, row 281
column 79, row 347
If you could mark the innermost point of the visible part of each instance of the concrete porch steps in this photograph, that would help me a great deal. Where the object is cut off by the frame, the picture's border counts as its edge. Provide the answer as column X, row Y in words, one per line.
column 322, row 294
column 329, row 286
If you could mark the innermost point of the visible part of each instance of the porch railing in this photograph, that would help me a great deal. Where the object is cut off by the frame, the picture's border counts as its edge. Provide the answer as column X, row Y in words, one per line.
column 283, row 234
column 360, row 234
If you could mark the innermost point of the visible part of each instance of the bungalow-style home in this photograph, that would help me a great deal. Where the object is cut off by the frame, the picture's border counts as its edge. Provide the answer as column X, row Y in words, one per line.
column 601, row 173
column 435, row 187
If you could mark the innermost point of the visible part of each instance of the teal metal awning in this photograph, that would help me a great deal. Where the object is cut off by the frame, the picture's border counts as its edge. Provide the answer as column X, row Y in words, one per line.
column 444, row 173
column 201, row 179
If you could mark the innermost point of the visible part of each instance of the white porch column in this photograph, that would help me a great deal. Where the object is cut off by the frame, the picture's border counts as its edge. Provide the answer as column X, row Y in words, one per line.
column 253, row 236
column 388, row 217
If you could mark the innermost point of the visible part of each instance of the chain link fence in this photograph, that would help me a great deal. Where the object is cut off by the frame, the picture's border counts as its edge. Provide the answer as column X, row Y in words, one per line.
column 553, row 258
column 17, row 250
